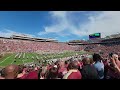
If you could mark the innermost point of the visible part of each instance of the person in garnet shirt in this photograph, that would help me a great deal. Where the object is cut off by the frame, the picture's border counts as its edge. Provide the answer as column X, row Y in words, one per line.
column 73, row 72
column 116, row 66
column 62, row 70
column 32, row 74
column 22, row 73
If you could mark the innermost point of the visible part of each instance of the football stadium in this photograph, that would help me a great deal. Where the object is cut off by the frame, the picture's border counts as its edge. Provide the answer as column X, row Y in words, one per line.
column 28, row 56
column 36, row 54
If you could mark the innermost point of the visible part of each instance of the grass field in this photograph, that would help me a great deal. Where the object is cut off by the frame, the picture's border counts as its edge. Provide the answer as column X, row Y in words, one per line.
column 31, row 57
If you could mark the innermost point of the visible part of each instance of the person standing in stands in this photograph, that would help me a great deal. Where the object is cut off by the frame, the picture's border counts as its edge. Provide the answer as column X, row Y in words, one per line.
column 116, row 64
column 99, row 65
column 62, row 70
column 53, row 73
column 88, row 71
column 22, row 73
column 73, row 72
column 114, row 67
column 33, row 74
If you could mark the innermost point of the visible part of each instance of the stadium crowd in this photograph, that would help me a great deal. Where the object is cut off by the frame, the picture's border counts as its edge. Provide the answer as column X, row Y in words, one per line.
column 104, row 50
column 9, row 45
column 77, row 67
column 103, row 64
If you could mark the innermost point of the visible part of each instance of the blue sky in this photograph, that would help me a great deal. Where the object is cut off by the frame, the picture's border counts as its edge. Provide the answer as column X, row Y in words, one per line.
column 60, row 25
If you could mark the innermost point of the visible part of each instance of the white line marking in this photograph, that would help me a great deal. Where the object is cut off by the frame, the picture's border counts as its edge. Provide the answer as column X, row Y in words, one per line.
column 5, row 59
column 24, row 60
column 15, row 57
column 12, row 61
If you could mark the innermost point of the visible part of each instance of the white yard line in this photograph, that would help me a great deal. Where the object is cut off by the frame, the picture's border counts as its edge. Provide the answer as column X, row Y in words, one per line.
column 33, row 57
column 22, row 58
column 12, row 62
column 14, row 59
column 25, row 59
column 5, row 59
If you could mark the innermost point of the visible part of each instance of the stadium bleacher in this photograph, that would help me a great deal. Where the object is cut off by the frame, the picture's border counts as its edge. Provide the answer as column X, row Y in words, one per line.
column 49, row 59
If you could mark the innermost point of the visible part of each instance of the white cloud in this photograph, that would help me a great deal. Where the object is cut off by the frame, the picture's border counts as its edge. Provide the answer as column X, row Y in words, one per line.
column 60, row 23
column 106, row 22
column 8, row 33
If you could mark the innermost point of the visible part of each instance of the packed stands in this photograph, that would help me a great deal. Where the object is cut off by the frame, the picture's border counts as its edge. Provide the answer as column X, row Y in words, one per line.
column 103, row 63
column 18, row 45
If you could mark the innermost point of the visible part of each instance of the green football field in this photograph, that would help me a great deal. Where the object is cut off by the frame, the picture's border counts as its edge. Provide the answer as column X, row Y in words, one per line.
column 23, row 58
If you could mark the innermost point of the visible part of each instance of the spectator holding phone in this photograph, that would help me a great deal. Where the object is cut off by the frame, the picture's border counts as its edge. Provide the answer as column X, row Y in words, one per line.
column 116, row 65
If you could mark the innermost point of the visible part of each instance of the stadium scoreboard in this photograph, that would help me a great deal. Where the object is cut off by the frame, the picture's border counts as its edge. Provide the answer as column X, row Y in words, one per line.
column 95, row 35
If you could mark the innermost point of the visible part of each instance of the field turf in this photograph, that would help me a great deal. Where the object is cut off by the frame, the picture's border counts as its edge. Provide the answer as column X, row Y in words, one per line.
column 32, row 57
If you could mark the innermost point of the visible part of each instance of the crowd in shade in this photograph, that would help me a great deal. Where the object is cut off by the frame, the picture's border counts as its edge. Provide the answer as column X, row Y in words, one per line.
column 78, row 67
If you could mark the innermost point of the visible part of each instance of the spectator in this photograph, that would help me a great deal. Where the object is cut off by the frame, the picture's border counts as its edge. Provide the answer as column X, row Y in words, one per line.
column 88, row 71
column 22, row 73
column 2, row 73
column 80, row 64
column 11, row 72
column 39, row 73
column 106, row 67
column 66, row 64
column 53, row 73
column 62, row 70
column 33, row 74
column 99, row 65
column 73, row 72
column 114, row 67
column 44, row 72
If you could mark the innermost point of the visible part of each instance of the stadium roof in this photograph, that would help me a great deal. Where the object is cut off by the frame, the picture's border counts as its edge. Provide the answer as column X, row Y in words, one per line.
column 25, row 37
column 115, row 35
